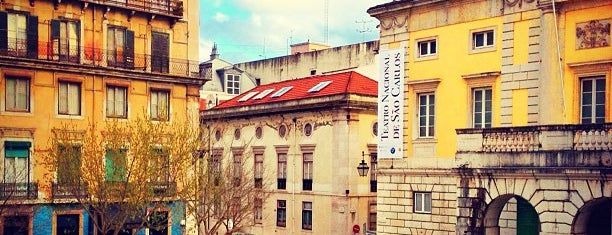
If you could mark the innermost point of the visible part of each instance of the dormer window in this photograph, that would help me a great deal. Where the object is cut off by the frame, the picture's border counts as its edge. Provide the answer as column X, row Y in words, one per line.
column 232, row 84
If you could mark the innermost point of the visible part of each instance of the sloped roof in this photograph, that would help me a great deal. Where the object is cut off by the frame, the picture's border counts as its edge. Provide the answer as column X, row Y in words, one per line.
column 341, row 83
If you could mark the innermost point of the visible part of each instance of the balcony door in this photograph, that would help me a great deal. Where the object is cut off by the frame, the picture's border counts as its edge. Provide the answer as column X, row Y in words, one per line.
column 160, row 43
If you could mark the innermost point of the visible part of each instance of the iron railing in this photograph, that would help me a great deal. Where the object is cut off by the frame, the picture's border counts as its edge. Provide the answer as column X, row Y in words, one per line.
column 163, row 189
column 68, row 190
column 165, row 7
column 97, row 57
column 9, row 191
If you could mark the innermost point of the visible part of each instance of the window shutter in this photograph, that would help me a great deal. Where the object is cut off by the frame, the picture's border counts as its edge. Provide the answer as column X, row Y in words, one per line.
column 32, row 36
column 3, row 32
column 55, row 37
column 129, row 48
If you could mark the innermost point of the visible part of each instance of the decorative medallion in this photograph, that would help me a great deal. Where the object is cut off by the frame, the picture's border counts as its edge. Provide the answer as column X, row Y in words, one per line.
column 217, row 135
column 258, row 132
column 592, row 34
column 237, row 133
column 308, row 129
column 282, row 131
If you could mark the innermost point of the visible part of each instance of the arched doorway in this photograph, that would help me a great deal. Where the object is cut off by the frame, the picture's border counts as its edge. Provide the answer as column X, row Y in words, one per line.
column 511, row 214
column 594, row 218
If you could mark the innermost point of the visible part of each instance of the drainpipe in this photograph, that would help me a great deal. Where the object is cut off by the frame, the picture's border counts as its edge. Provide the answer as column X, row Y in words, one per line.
column 294, row 178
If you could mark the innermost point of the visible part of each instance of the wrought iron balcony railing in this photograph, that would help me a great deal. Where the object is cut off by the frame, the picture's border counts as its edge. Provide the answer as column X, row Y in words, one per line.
column 68, row 190
column 163, row 189
column 165, row 7
column 596, row 137
column 10, row 191
column 120, row 59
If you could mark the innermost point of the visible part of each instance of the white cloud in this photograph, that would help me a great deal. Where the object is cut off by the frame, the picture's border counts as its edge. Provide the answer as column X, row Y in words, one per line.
column 256, row 20
column 220, row 17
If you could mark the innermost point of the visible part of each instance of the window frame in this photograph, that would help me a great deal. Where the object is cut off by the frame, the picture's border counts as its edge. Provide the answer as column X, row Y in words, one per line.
column 307, row 171
column 160, row 63
column 237, row 168
column 281, row 218
column 27, row 166
column 258, row 210
column 27, row 97
column 58, row 40
column 235, row 80
column 79, row 89
column 422, row 197
column 427, row 115
column 307, row 214
column 373, row 166
column 122, row 175
column 125, row 101
column 15, row 50
column 593, row 117
column 485, row 47
column 281, row 169
column 483, row 110
column 156, row 93
column 431, row 52
column 258, row 169
column 372, row 210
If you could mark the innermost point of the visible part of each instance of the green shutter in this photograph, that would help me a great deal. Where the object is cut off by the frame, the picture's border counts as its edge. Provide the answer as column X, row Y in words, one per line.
column 115, row 165
column 17, row 149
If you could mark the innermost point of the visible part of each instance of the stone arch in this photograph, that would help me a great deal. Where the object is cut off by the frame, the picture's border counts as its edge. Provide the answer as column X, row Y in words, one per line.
column 516, row 214
column 594, row 217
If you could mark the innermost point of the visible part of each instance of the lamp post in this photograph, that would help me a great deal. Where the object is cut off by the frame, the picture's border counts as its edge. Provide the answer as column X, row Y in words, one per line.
column 363, row 167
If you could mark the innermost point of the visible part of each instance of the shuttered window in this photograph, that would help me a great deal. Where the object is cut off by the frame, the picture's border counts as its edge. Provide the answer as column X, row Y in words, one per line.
column 160, row 44
column 65, row 36
column 120, row 47
column 115, row 163
column 18, row 34
column 116, row 102
column 16, row 161
column 17, row 94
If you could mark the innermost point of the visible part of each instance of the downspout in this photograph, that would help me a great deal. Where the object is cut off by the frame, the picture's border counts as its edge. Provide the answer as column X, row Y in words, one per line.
column 561, row 77
column 294, row 178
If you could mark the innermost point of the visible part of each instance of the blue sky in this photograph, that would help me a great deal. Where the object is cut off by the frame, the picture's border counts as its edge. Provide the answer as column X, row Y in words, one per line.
column 247, row 30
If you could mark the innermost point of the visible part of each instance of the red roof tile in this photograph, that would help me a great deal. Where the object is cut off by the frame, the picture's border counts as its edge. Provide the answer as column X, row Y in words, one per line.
column 346, row 82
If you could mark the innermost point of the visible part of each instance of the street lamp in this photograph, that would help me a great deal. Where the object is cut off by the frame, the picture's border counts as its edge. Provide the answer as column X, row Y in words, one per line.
column 363, row 167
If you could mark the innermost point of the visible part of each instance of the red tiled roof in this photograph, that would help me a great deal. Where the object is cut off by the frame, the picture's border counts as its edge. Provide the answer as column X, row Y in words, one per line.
column 346, row 82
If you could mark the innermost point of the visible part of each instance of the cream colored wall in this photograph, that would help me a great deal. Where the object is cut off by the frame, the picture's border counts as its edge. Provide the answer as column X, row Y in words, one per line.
column 335, row 160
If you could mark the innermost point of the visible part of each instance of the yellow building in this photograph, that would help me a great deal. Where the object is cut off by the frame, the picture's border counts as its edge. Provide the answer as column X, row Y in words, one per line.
column 305, row 137
column 506, row 117
column 84, row 62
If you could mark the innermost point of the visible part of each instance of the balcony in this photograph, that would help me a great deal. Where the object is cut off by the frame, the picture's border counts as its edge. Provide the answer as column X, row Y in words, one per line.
column 68, row 190
column 574, row 146
column 90, row 59
column 11, row 191
column 169, row 8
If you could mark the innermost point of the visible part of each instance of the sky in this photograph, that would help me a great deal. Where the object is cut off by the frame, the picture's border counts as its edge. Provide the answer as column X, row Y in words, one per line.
column 248, row 30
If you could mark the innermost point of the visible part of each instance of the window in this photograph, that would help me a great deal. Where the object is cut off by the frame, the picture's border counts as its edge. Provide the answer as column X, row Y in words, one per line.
column 373, row 164
column 281, row 92
column 233, row 84
column 116, row 102
column 371, row 217
column 258, row 170
column 427, row 48
column 483, row 39
column 159, row 162
column 593, row 100
column 307, row 177
column 120, row 47
column 422, row 202
column 308, row 129
column 16, row 161
column 16, row 225
column 160, row 44
column 160, row 108
column 158, row 223
column 258, row 214
column 319, row 86
column 17, row 94
column 215, row 168
column 19, row 34
column 281, row 213
column 65, row 36
column 307, row 215
column 237, row 169
column 482, row 105
column 426, row 114
column 69, row 98
column 69, row 164
column 115, row 163
column 282, row 171
column 68, row 224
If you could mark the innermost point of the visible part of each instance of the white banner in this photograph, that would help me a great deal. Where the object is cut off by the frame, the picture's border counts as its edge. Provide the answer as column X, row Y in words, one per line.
column 391, row 103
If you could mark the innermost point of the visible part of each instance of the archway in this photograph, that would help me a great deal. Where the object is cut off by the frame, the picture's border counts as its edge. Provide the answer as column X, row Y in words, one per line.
column 594, row 217
column 511, row 214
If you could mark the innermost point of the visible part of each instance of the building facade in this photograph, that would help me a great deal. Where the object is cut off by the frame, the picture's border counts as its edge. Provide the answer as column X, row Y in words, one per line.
column 305, row 138
column 513, row 135
column 79, row 63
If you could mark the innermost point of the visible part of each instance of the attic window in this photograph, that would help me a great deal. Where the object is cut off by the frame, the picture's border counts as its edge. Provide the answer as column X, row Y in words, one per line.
column 248, row 96
column 319, row 86
column 263, row 94
column 282, row 91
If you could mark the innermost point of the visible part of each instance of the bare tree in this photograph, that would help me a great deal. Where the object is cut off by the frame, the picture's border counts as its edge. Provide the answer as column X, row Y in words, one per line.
column 121, row 173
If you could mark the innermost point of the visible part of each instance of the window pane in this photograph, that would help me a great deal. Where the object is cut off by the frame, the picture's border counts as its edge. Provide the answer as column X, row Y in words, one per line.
column 600, row 85
column 587, row 86
column 423, row 48
column 432, row 46
column 11, row 87
column 73, row 99
column 427, row 199
column 418, row 203
column 110, row 101
column 478, row 40
column 490, row 38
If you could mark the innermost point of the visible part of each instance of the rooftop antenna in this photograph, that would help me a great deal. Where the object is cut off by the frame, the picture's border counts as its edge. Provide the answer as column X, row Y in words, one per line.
column 263, row 53
column 363, row 29
column 326, row 15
